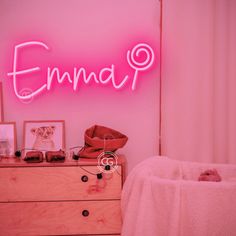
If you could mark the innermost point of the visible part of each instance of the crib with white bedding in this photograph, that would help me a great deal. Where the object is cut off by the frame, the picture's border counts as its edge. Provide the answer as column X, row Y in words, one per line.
column 163, row 197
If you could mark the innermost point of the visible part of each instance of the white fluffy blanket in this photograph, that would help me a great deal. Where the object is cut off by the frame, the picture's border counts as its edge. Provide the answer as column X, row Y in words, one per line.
column 162, row 197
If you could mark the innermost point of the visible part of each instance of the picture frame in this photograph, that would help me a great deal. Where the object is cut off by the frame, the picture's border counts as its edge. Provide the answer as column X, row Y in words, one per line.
column 44, row 135
column 1, row 103
column 7, row 139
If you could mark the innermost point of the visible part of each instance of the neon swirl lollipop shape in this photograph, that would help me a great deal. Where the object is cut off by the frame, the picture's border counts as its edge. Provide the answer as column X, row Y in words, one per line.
column 135, row 54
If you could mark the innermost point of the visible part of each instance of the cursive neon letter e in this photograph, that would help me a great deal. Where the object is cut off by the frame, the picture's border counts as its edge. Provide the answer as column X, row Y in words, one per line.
column 15, row 72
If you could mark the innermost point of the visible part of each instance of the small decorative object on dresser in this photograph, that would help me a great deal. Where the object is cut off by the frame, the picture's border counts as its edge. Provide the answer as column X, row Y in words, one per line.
column 55, row 156
column 47, row 135
column 1, row 103
column 7, row 139
column 70, row 198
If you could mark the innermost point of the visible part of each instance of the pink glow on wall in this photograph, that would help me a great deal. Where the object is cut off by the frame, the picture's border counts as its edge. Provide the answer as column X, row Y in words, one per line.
column 93, row 35
column 139, row 58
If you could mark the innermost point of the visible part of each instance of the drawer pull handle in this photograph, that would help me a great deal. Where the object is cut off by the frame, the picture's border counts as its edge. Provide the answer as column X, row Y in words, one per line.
column 107, row 167
column 84, row 178
column 85, row 213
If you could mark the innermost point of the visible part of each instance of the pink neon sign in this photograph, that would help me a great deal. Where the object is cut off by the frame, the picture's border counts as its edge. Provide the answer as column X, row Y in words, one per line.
column 105, row 76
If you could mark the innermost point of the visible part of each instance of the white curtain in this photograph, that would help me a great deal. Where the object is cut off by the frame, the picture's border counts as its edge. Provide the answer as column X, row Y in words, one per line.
column 199, row 80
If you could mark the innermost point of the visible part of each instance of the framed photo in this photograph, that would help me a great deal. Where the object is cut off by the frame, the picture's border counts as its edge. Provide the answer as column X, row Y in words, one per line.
column 7, row 138
column 1, row 103
column 44, row 135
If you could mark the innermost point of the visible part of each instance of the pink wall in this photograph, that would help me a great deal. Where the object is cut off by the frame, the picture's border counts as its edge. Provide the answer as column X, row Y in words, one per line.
column 92, row 34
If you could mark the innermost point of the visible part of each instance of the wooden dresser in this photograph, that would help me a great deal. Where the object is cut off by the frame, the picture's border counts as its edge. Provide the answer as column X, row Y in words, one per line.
column 60, row 199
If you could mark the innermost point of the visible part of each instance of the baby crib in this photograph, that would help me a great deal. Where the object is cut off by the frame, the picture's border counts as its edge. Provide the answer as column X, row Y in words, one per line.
column 163, row 197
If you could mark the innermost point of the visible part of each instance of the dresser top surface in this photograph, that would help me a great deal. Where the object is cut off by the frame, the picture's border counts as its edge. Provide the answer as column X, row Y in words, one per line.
column 16, row 162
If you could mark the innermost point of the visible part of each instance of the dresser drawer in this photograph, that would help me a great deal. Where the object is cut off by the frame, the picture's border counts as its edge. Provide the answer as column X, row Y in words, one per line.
column 58, row 183
column 60, row 218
